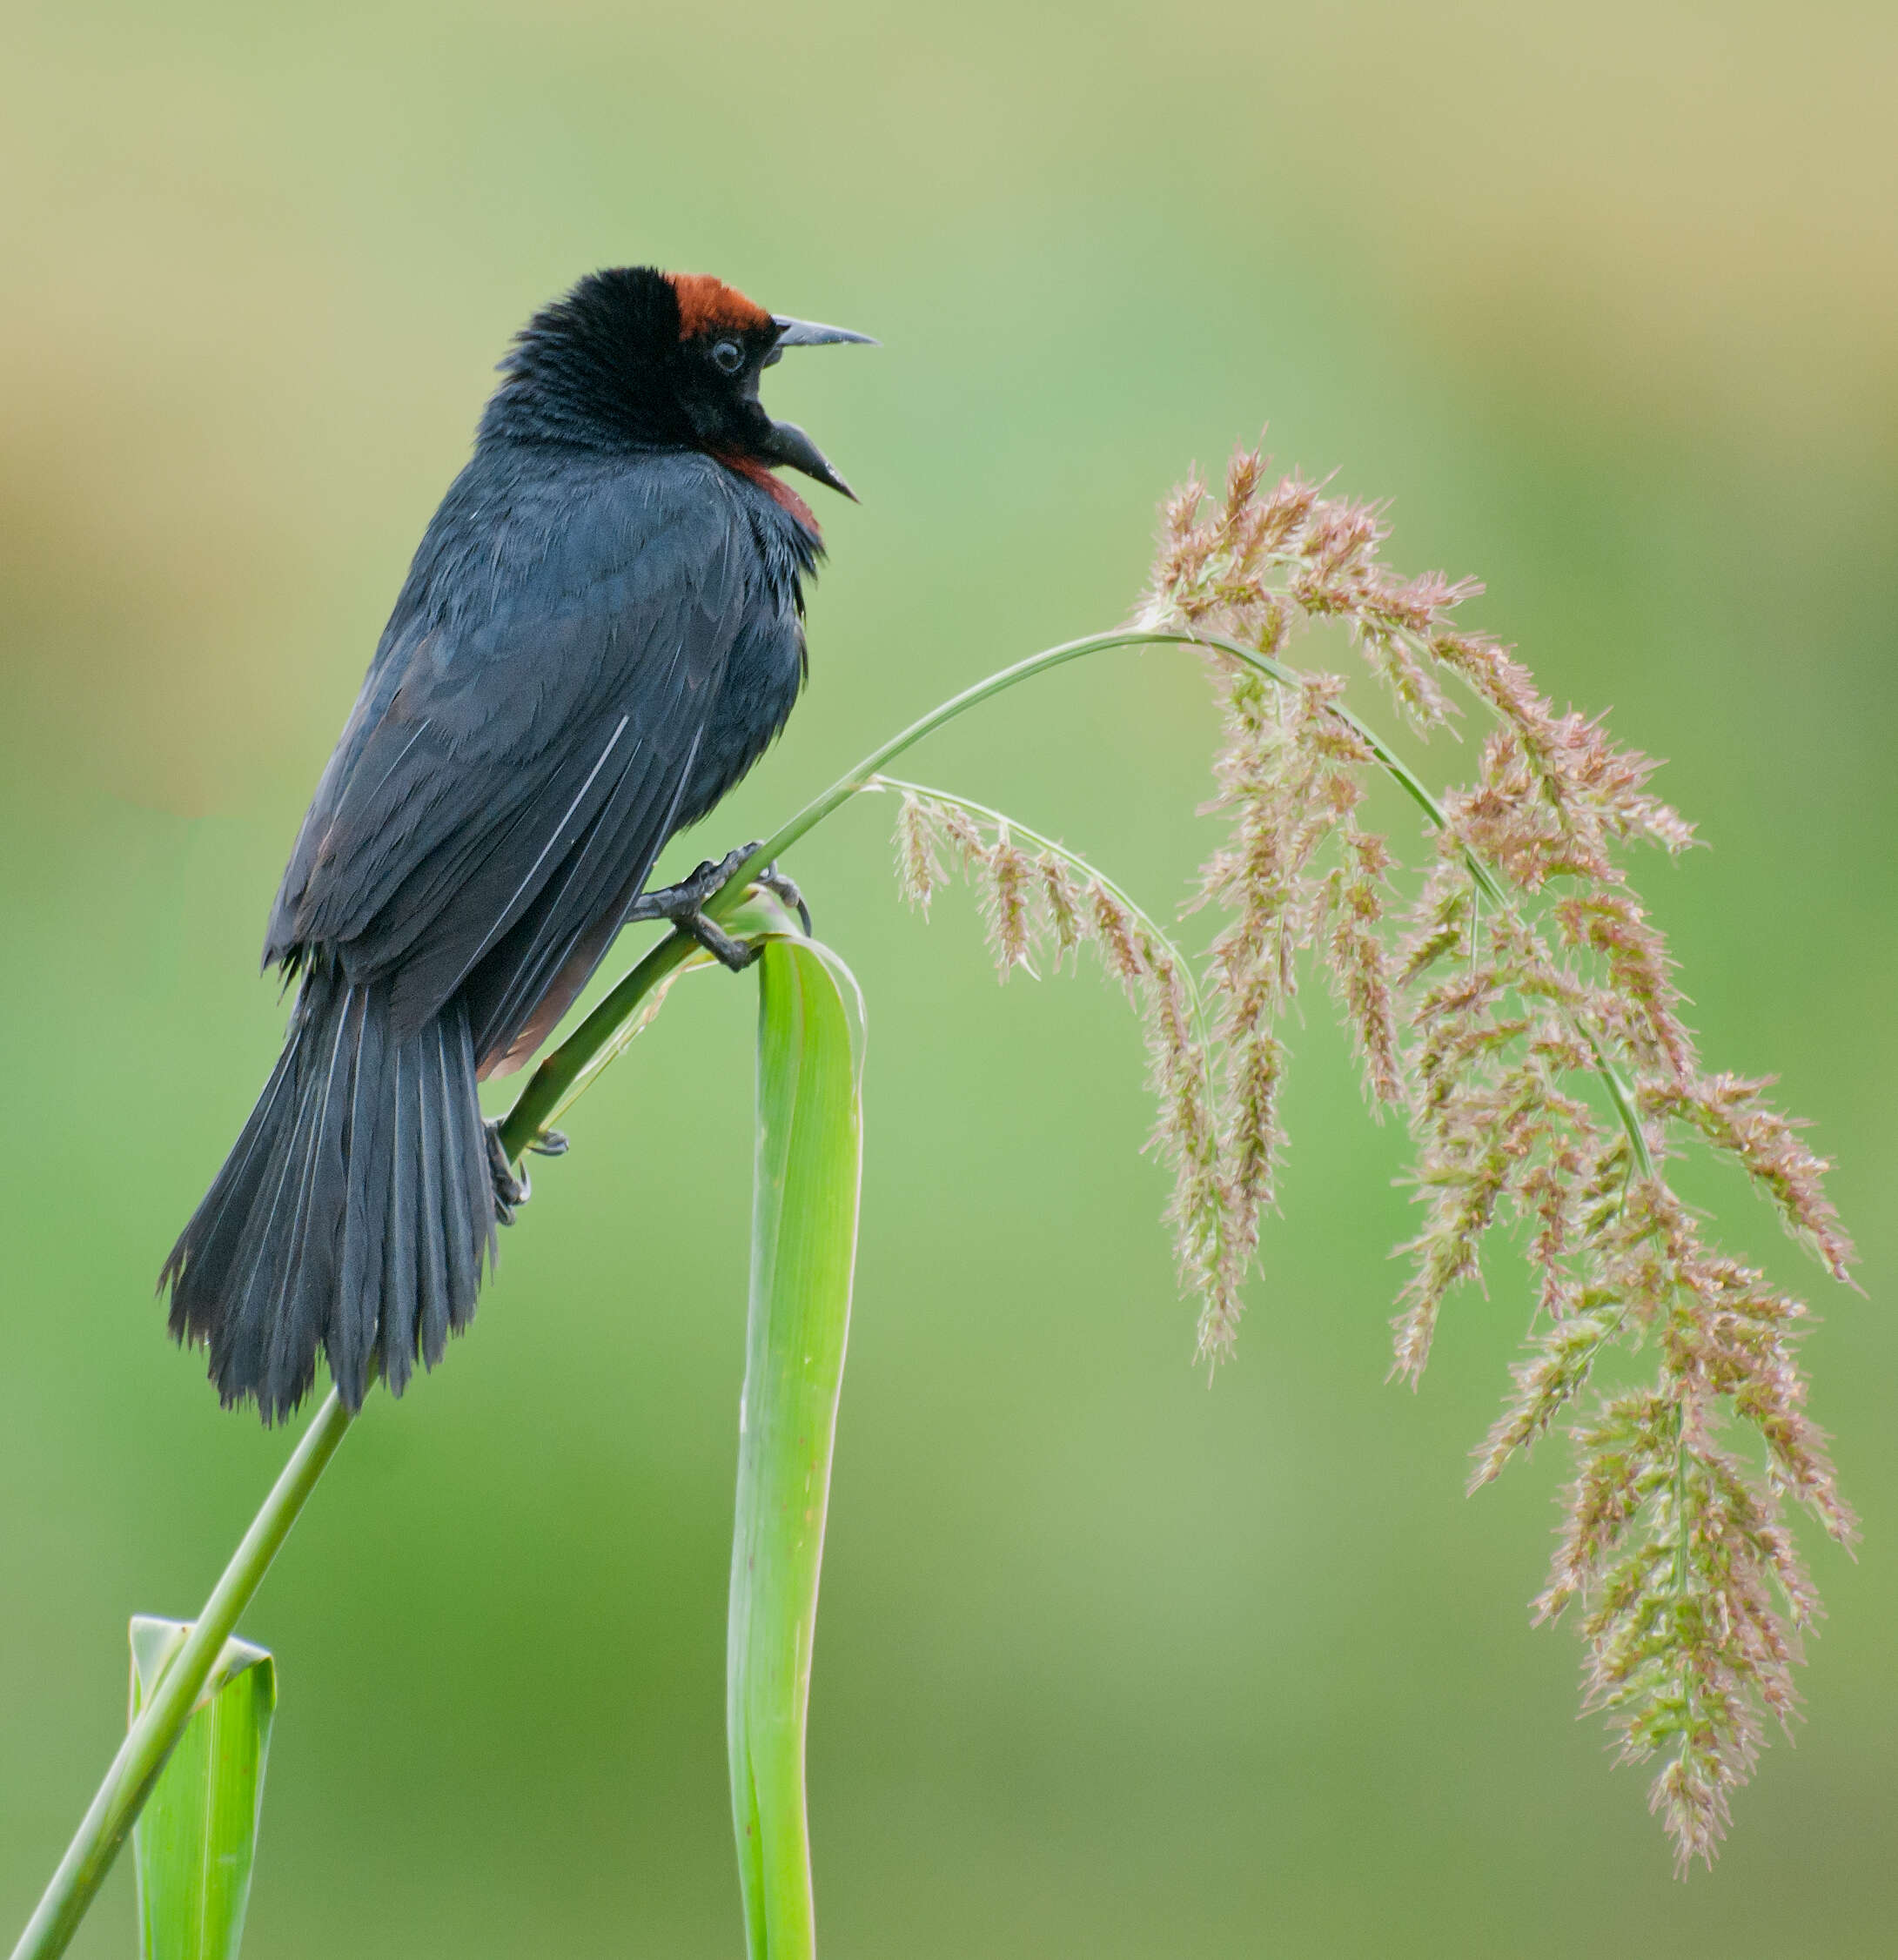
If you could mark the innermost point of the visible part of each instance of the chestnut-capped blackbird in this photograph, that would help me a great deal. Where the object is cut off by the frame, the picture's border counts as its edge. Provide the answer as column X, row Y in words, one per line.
column 601, row 631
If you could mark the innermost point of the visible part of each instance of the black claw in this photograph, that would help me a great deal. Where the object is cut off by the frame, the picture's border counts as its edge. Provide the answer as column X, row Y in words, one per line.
column 512, row 1189
column 777, row 881
column 551, row 1143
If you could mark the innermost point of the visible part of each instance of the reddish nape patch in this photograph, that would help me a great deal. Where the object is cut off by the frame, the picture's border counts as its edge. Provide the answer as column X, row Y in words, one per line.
column 775, row 486
column 706, row 302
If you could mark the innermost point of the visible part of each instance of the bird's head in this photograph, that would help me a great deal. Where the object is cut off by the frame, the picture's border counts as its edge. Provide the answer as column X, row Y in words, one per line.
column 639, row 359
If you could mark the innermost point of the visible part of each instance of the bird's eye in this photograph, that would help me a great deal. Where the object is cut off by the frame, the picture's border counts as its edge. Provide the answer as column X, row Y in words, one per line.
column 728, row 357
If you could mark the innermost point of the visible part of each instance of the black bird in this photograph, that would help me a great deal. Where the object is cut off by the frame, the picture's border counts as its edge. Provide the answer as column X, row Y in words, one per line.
column 601, row 631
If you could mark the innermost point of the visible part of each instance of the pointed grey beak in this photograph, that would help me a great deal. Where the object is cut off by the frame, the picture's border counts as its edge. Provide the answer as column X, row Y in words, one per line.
column 807, row 333
column 787, row 444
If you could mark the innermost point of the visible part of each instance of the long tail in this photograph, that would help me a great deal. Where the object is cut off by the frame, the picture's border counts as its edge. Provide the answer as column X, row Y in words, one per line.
column 352, row 1215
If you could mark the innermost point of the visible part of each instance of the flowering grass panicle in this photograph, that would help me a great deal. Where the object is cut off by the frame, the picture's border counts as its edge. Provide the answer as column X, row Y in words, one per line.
column 1054, row 903
column 1520, row 1007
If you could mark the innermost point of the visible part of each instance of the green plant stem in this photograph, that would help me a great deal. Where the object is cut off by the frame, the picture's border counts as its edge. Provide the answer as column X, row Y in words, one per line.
column 599, row 1038
column 846, row 787
column 150, row 1740
column 1682, row 1564
column 607, row 1032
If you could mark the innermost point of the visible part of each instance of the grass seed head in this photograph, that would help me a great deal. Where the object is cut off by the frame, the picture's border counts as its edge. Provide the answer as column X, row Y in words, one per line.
column 1521, row 1008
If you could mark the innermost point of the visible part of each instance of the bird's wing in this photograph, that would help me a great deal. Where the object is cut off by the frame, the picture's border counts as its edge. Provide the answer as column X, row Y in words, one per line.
column 523, row 766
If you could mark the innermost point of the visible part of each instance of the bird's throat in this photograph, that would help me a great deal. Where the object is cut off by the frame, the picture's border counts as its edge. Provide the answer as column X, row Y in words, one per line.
column 773, row 487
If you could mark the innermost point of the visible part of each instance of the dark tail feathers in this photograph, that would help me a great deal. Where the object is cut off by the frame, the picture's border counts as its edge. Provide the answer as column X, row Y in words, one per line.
column 353, row 1212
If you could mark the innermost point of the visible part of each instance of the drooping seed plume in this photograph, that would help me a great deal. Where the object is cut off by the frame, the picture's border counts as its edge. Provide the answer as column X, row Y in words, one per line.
column 1511, row 994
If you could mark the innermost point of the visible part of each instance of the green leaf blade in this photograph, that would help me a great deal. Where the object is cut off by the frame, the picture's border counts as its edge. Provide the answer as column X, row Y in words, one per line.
column 804, row 1221
column 195, row 1843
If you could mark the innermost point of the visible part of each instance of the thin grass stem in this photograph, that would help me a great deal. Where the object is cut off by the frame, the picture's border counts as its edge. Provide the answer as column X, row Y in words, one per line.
column 150, row 1739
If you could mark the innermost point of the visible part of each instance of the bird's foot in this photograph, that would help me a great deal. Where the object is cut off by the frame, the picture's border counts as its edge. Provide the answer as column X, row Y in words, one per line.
column 551, row 1143
column 512, row 1189
column 683, row 906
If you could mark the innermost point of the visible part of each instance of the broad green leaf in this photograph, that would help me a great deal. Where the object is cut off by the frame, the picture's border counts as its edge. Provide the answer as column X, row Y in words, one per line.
column 196, row 1839
column 803, row 1255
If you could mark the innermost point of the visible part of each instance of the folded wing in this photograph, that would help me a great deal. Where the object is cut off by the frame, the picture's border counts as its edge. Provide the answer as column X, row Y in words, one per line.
column 506, row 783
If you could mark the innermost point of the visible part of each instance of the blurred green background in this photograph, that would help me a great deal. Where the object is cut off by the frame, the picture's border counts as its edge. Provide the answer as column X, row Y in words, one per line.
column 1603, row 298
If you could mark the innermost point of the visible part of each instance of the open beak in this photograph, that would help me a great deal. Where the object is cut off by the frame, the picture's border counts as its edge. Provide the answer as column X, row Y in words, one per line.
column 788, row 444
